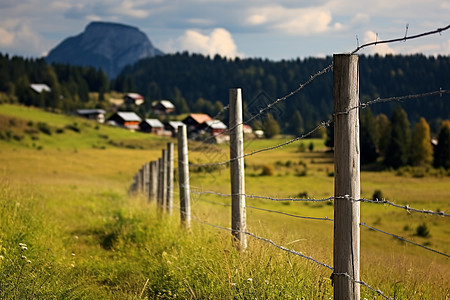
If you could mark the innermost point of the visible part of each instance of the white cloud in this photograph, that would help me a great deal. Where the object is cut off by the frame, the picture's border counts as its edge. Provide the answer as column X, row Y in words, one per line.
column 19, row 34
column 6, row 37
column 219, row 41
column 294, row 21
column 381, row 49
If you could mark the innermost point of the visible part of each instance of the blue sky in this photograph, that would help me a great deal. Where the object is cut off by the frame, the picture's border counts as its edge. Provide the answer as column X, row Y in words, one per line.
column 275, row 30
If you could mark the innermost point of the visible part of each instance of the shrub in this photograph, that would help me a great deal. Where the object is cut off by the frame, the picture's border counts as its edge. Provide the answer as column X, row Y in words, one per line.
column 311, row 147
column 377, row 195
column 423, row 231
column 44, row 128
column 267, row 170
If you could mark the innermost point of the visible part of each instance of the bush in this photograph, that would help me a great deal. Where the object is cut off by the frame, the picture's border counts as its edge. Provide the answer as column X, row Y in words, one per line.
column 377, row 195
column 267, row 170
column 423, row 231
column 44, row 128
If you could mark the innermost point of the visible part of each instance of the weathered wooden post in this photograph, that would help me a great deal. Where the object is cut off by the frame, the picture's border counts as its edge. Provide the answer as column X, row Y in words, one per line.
column 169, row 202
column 347, row 177
column 160, row 182
column 146, row 178
column 140, row 180
column 238, row 211
column 164, row 179
column 183, row 177
column 153, row 188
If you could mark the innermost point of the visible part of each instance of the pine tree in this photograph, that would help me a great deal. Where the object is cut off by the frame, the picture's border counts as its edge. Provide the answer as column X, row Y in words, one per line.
column 397, row 151
column 384, row 133
column 368, row 138
column 421, row 148
column 296, row 126
column 442, row 149
column 271, row 127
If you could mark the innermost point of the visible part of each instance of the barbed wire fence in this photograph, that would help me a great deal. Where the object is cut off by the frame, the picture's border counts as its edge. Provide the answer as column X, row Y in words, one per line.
column 155, row 179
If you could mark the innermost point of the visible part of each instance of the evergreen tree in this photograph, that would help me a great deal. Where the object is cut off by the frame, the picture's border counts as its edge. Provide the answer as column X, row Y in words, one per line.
column 384, row 133
column 368, row 137
column 421, row 148
column 296, row 125
column 271, row 127
column 397, row 151
column 442, row 149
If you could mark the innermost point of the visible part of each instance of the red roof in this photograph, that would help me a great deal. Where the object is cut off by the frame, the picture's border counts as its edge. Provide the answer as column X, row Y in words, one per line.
column 200, row 118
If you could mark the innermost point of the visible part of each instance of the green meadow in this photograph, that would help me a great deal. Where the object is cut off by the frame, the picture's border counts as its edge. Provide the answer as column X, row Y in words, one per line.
column 70, row 230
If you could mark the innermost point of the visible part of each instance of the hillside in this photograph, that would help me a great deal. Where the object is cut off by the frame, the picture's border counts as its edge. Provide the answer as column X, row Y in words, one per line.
column 71, row 231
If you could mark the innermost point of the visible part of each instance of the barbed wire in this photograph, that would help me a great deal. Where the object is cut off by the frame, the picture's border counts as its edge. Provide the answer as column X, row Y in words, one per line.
column 270, row 210
column 395, row 98
column 323, row 124
column 294, row 253
column 403, row 239
column 347, row 197
column 439, row 30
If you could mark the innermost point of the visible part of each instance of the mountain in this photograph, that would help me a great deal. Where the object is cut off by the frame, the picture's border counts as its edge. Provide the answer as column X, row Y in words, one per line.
column 109, row 46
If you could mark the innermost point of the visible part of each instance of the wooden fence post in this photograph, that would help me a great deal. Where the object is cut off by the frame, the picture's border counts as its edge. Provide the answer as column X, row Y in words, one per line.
column 146, row 178
column 183, row 176
column 153, row 186
column 140, row 180
column 164, row 179
column 238, row 211
column 160, row 183
column 169, row 202
column 347, row 177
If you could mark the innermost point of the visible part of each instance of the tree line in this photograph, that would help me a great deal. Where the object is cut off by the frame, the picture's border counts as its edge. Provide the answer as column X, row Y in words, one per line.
column 392, row 141
column 70, row 85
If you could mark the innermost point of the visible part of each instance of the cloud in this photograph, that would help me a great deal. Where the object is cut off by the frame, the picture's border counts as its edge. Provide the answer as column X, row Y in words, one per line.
column 19, row 34
column 381, row 49
column 293, row 21
column 108, row 9
column 6, row 38
column 219, row 41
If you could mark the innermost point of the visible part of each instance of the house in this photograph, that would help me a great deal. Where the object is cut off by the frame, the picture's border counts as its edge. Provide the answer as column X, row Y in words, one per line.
column 163, row 107
column 128, row 120
column 92, row 114
column 172, row 126
column 214, row 127
column 40, row 87
column 151, row 126
column 133, row 99
column 247, row 129
column 194, row 121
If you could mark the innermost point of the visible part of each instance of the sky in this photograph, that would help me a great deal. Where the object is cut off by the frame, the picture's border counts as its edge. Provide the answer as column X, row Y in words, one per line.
column 276, row 30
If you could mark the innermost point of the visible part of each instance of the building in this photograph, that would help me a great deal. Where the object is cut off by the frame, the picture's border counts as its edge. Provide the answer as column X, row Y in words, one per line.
column 214, row 127
column 194, row 122
column 172, row 126
column 247, row 129
column 92, row 114
column 152, row 126
column 129, row 120
column 163, row 107
column 40, row 87
column 133, row 99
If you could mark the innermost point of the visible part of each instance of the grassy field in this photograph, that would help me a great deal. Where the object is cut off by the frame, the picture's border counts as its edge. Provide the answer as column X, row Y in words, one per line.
column 70, row 231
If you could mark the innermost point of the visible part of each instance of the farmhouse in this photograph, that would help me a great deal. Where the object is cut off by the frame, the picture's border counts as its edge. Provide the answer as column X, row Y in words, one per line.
column 163, row 107
column 194, row 121
column 172, row 126
column 214, row 127
column 92, row 114
column 133, row 99
column 151, row 126
column 128, row 120
column 40, row 87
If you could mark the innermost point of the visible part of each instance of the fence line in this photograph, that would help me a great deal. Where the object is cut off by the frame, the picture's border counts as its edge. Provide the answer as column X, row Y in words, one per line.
column 346, row 257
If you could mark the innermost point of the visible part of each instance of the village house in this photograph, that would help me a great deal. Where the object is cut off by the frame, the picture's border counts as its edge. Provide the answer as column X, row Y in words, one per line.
column 172, row 126
column 194, row 122
column 163, row 107
column 129, row 120
column 152, row 126
column 40, row 87
column 92, row 114
column 133, row 99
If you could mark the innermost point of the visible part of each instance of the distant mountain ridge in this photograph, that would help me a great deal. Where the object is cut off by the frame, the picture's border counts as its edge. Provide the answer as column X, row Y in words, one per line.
column 105, row 45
